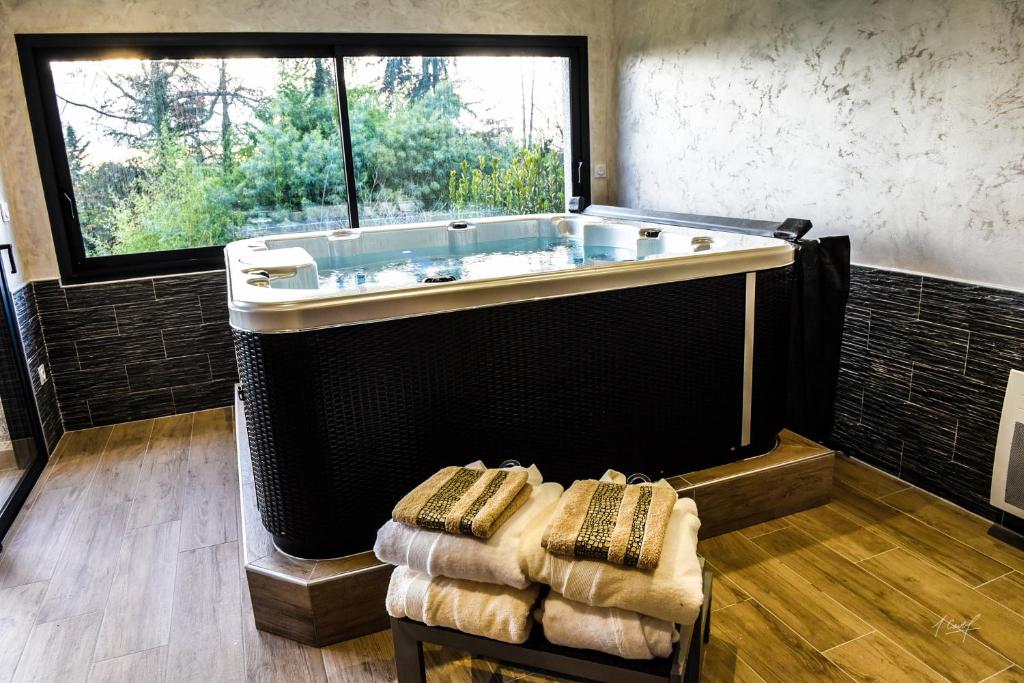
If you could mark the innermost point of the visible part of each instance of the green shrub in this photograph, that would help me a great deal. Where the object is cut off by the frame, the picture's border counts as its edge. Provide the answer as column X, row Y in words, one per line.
column 533, row 181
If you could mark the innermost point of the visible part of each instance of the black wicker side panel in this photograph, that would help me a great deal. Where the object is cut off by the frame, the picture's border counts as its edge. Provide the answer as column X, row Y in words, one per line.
column 343, row 421
column 771, row 354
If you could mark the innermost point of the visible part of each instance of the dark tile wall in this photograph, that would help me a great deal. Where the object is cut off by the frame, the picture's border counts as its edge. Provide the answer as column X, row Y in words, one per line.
column 36, row 354
column 924, row 368
column 137, row 349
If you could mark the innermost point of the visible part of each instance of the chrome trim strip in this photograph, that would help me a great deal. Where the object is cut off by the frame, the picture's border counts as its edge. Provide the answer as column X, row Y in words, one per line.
column 748, row 358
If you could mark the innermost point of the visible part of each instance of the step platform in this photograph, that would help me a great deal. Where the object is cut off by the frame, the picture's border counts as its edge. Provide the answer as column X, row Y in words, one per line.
column 320, row 602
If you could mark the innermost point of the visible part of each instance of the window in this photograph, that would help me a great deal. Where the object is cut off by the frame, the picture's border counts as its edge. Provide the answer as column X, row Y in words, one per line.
column 186, row 153
column 157, row 150
column 440, row 137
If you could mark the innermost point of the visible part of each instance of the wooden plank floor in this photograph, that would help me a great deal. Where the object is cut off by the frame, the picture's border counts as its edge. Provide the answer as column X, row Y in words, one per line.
column 124, row 566
column 9, row 479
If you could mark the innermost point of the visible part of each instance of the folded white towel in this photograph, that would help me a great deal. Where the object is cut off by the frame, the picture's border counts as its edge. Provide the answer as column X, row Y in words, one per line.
column 481, row 609
column 605, row 629
column 673, row 591
column 457, row 556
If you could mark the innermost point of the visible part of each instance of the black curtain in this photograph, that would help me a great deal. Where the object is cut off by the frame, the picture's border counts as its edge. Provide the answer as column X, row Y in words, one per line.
column 820, row 293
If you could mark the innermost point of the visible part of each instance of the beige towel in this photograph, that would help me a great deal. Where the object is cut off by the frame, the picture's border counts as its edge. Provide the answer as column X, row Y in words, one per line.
column 481, row 609
column 623, row 524
column 464, row 500
column 494, row 560
column 673, row 591
column 605, row 629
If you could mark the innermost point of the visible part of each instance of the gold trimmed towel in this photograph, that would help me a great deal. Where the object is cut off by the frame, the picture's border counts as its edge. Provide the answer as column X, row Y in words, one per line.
column 620, row 523
column 494, row 560
column 464, row 500
column 673, row 591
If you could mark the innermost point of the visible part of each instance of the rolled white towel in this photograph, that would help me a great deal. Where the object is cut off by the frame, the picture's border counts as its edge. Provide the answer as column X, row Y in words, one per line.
column 673, row 591
column 606, row 629
column 494, row 560
column 481, row 609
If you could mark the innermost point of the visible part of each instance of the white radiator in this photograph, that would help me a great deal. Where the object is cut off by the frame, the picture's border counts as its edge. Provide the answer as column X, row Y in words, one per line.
column 1008, row 472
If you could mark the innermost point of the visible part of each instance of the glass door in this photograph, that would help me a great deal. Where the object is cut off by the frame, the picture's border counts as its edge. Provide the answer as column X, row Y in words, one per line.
column 22, row 455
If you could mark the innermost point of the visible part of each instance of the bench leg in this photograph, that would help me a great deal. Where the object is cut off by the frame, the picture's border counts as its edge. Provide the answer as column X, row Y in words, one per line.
column 707, row 615
column 408, row 656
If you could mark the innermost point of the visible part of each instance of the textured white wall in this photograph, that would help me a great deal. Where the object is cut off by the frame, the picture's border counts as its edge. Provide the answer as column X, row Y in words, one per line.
column 900, row 122
column 7, row 235
column 17, row 155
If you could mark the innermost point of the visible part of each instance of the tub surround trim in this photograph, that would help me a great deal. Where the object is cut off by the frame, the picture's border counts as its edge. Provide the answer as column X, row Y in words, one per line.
column 272, row 310
column 380, row 306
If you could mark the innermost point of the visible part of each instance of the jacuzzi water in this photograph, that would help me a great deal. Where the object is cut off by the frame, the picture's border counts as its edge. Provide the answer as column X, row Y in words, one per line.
column 500, row 258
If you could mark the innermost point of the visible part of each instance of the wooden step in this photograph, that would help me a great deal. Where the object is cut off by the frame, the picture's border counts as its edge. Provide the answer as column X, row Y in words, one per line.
column 320, row 602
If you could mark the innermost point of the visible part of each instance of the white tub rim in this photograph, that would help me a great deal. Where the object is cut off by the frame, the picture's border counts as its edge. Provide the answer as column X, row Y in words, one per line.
column 270, row 310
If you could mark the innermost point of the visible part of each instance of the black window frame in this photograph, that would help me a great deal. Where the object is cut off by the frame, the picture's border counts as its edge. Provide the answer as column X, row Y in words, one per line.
column 36, row 51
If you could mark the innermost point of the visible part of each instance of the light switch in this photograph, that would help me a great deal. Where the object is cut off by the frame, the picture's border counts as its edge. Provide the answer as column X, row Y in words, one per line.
column 600, row 171
column 5, row 212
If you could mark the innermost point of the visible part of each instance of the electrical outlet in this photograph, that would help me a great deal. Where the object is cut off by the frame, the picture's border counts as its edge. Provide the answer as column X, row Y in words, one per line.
column 600, row 171
column 41, row 371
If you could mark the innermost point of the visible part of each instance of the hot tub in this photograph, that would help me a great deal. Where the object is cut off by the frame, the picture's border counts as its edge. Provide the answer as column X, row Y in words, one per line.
column 369, row 358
